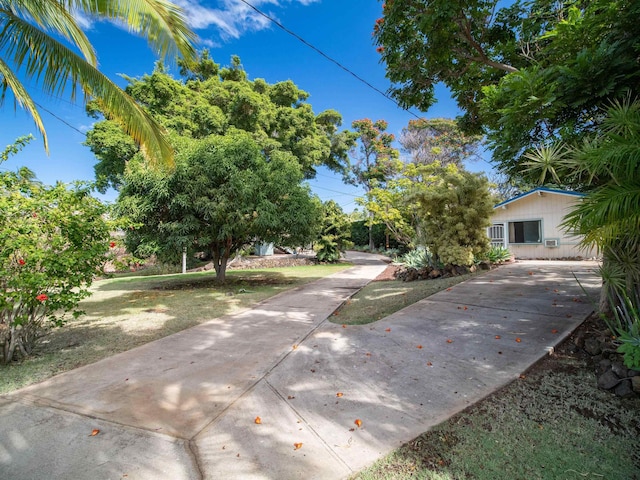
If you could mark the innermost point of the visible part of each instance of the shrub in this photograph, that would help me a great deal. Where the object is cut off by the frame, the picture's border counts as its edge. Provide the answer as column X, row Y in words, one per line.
column 496, row 255
column 418, row 258
column 53, row 241
column 627, row 328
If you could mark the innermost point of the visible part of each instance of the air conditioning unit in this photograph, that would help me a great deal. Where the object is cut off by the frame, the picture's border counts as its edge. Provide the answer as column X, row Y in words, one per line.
column 551, row 243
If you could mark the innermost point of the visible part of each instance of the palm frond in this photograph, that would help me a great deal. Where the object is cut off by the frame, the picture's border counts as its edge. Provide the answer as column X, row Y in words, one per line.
column 546, row 162
column 160, row 21
column 22, row 98
column 57, row 67
column 50, row 17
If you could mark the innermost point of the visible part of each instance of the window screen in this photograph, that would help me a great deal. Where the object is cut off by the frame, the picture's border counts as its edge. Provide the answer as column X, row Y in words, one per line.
column 525, row 232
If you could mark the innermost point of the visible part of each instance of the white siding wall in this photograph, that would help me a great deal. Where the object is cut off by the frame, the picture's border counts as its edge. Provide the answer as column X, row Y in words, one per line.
column 549, row 208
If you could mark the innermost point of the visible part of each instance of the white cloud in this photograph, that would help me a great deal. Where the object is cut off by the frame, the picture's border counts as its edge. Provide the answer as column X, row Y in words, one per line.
column 232, row 18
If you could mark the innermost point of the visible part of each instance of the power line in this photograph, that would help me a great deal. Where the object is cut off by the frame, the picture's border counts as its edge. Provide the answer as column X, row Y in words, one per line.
column 58, row 118
column 332, row 60
column 336, row 191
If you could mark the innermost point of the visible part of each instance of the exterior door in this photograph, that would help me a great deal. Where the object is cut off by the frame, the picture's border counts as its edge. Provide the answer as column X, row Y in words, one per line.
column 496, row 235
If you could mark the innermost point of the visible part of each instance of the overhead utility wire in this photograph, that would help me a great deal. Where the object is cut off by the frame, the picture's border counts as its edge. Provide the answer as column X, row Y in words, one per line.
column 358, row 77
column 58, row 118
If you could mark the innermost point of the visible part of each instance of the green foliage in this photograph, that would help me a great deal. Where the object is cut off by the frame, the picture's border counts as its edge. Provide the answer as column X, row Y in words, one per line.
column 334, row 235
column 52, row 242
column 43, row 42
column 496, row 255
column 373, row 163
column 439, row 140
column 527, row 74
column 455, row 210
column 213, row 101
column 418, row 258
column 224, row 193
column 360, row 234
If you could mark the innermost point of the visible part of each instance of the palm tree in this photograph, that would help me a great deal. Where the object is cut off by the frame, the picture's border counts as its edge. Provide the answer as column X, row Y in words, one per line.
column 609, row 216
column 39, row 39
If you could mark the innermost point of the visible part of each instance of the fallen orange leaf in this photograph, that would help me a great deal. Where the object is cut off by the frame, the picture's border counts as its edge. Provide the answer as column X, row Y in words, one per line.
column 530, row 273
column 465, row 308
column 429, row 364
column 344, row 326
column 94, row 432
column 448, row 289
column 297, row 446
column 554, row 331
column 419, row 346
column 368, row 354
column 523, row 376
column 290, row 397
column 294, row 347
column 449, row 340
column 258, row 420
column 358, row 422
column 388, row 330
column 518, row 340
column 498, row 337
column 339, row 394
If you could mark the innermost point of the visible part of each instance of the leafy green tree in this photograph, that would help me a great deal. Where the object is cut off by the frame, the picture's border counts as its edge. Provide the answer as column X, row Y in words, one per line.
column 224, row 193
column 335, row 233
column 455, row 211
column 373, row 162
column 212, row 101
column 527, row 74
column 43, row 41
column 438, row 140
column 53, row 241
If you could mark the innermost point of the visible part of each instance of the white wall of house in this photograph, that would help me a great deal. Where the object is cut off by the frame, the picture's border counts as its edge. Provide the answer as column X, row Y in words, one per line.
column 531, row 226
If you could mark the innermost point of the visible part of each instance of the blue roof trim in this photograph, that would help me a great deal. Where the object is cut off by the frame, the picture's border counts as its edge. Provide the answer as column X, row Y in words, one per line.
column 539, row 189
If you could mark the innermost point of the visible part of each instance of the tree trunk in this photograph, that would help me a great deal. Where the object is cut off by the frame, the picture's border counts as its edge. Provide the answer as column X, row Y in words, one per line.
column 371, row 244
column 221, row 252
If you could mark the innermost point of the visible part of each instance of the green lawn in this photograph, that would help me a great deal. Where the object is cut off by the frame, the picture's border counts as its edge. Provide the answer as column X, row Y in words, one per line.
column 380, row 299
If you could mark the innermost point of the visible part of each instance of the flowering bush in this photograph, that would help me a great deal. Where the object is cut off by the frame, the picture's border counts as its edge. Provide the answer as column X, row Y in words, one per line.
column 52, row 242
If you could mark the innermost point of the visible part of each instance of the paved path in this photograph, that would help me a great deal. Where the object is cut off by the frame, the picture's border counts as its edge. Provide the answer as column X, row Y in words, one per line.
column 184, row 407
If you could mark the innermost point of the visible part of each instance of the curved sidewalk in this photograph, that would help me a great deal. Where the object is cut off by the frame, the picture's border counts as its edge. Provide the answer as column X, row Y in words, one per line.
column 184, row 407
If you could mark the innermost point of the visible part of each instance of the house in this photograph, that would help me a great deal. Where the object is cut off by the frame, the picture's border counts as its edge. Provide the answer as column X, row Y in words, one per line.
column 529, row 225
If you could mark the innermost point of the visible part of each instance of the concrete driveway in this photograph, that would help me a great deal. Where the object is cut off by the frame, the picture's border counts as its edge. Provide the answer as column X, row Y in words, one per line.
column 185, row 407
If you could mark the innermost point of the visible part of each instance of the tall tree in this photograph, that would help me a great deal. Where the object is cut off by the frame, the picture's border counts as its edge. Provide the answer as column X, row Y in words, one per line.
column 374, row 161
column 528, row 74
column 438, row 140
column 210, row 100
column 224, row 192
column 43, row 41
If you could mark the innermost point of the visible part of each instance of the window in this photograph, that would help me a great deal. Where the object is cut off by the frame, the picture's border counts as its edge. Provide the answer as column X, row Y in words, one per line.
column 525, row 232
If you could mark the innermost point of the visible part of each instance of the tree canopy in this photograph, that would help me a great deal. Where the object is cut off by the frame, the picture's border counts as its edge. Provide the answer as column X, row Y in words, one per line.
column 438, row 140
column 43, row 41
column 209, row 100
column 225, row 192
column 527, row 74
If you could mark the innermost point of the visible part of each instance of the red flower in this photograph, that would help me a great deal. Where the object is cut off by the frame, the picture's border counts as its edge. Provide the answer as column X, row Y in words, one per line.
column 112, row 244
column 21, row 262
column 380, row 49
column 42, row 297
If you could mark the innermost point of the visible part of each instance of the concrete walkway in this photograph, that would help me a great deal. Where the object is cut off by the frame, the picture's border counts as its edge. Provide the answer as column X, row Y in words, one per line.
column 184, row 407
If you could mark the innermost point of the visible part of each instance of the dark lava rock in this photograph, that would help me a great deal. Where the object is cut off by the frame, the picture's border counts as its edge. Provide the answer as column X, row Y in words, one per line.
column 608, row 380
column 592, row 346
column 624, row 389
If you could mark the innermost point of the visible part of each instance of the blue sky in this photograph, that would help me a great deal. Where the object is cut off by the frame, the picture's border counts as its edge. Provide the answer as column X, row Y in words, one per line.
column 341, row 29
